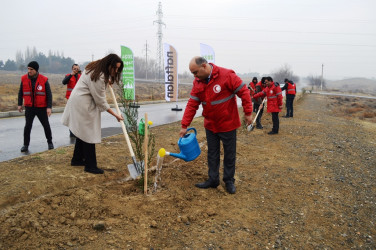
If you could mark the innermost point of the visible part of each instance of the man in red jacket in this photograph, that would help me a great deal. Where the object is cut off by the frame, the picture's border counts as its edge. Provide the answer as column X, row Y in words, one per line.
column 36, row 93
column 71, row 80
column 290, row 88
column 274, row 101
column 216, row 89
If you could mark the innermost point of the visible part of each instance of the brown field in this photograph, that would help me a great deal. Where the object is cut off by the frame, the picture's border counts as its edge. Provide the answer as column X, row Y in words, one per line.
column 312, row 186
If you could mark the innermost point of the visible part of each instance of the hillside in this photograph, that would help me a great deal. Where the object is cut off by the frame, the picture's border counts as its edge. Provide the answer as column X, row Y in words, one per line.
column 354, row 85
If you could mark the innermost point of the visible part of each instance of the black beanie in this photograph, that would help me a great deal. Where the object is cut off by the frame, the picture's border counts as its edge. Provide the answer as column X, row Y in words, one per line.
column 34, row 65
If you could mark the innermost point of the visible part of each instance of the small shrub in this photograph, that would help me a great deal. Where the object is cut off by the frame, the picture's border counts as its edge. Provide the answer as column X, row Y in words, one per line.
column 369, row 114
column 353, row 110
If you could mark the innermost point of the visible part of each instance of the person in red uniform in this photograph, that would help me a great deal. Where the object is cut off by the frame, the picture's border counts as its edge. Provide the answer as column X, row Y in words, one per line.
column 290, row 88
column 36, row 93
column 260, row 86
column 71, row 80
column 216, row 88
column 252, row 89
column 274, row 101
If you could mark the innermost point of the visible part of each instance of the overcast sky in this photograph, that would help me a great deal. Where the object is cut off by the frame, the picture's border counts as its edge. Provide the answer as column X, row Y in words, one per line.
column 246, row 35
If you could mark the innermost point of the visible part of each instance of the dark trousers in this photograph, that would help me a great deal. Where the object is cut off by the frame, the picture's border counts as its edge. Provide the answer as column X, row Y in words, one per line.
column 41, row 113
column 275, row 120
column 229, row 145
column 258, row 120
column 290, row 105
column 84, row 151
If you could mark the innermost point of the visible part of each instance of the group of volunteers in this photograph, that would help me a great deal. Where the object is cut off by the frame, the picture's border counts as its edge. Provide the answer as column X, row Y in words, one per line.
column 270, row 91
column 214, row 87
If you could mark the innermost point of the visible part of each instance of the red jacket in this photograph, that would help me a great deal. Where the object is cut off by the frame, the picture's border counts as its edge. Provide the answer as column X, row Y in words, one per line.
column 218, row 99
column 71, row 84
column 291, row 88
column 274, row 95
column 252, row 85
column 39, row 98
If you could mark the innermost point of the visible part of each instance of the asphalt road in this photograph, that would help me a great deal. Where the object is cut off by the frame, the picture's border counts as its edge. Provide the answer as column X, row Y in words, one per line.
column 11, row 129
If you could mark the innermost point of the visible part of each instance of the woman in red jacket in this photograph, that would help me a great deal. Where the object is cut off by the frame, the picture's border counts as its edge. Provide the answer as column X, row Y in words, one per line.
column 274, row 100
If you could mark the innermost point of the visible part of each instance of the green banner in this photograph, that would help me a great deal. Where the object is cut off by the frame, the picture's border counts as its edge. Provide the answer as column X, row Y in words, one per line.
column 128, row 73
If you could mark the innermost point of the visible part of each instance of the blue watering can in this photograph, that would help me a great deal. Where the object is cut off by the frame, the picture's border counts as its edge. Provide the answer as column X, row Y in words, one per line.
column 188, row 145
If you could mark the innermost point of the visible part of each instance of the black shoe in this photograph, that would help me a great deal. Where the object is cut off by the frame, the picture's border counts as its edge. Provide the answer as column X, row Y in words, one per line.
column 286, row 116
column 207, row 184
column 272, row 133
column 50, row 146
column 77, row 163
column 259, row 126
column 94, row 170
column 24, row 148
column 230, row 187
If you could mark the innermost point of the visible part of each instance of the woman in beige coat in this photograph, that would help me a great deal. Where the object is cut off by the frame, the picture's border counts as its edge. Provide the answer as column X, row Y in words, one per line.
column 82, row 113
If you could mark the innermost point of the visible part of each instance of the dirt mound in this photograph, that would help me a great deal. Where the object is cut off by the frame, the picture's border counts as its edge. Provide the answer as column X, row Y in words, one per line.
column 311, row 186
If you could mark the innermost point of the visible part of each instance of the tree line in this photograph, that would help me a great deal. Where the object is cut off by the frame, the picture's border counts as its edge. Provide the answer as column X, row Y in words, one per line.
column 55, row 62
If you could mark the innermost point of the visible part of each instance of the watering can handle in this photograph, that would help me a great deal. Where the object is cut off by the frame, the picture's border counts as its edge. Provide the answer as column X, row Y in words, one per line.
column 187, row 132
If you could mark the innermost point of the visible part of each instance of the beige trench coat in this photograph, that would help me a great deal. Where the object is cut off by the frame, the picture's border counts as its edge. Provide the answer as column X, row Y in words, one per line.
column 82, row 114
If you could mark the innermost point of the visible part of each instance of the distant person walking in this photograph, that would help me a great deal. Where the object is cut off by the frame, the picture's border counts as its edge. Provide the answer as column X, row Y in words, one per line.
column 82, row 113
column 36, row 93
column 71, row 80
column 290, row 88
column 216, row 89
column 274, row 101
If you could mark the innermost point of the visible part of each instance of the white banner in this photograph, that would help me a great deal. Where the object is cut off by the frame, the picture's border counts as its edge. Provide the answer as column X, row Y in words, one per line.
column 171, row 73
column 207, row 52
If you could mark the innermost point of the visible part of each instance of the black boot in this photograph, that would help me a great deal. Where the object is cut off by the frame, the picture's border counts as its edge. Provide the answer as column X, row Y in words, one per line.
column 24, row 148
column 208, row 184
column 95, row 170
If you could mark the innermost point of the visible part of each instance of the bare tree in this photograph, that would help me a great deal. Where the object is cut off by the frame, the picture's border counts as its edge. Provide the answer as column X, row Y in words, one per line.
column 284, row 72
column 315, row 81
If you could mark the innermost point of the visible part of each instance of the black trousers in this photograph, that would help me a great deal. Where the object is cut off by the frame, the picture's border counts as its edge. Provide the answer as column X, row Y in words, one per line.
column 229, row 145
column 84, row 151
column 290, row 105
column 41, row 113
column 258, row 120
column 275, row 120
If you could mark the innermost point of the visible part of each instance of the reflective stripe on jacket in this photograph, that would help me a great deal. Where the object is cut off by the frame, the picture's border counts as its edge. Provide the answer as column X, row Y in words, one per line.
column 218, row 99
column 39, row 98
column 291, row 88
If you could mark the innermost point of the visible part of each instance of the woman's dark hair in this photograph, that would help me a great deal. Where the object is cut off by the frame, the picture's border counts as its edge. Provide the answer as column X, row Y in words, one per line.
column 103, row 66
column 254, row 78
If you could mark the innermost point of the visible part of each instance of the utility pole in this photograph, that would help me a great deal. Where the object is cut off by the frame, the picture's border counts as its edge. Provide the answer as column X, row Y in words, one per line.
column 92, row 57
column 159, row 42
column 146, row 57
column 322, row 74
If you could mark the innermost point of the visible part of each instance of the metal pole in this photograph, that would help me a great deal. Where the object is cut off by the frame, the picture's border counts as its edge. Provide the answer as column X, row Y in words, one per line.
column 322, row 74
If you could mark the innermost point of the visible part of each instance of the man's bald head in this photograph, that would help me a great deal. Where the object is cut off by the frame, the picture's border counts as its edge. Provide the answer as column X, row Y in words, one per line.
column 199, row 67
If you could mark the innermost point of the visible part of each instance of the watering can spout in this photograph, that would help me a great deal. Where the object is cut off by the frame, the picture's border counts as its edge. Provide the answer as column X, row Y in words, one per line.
column 180, row 155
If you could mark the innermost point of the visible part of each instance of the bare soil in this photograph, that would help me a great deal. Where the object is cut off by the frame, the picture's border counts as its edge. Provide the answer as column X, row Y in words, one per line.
column 312, row 186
